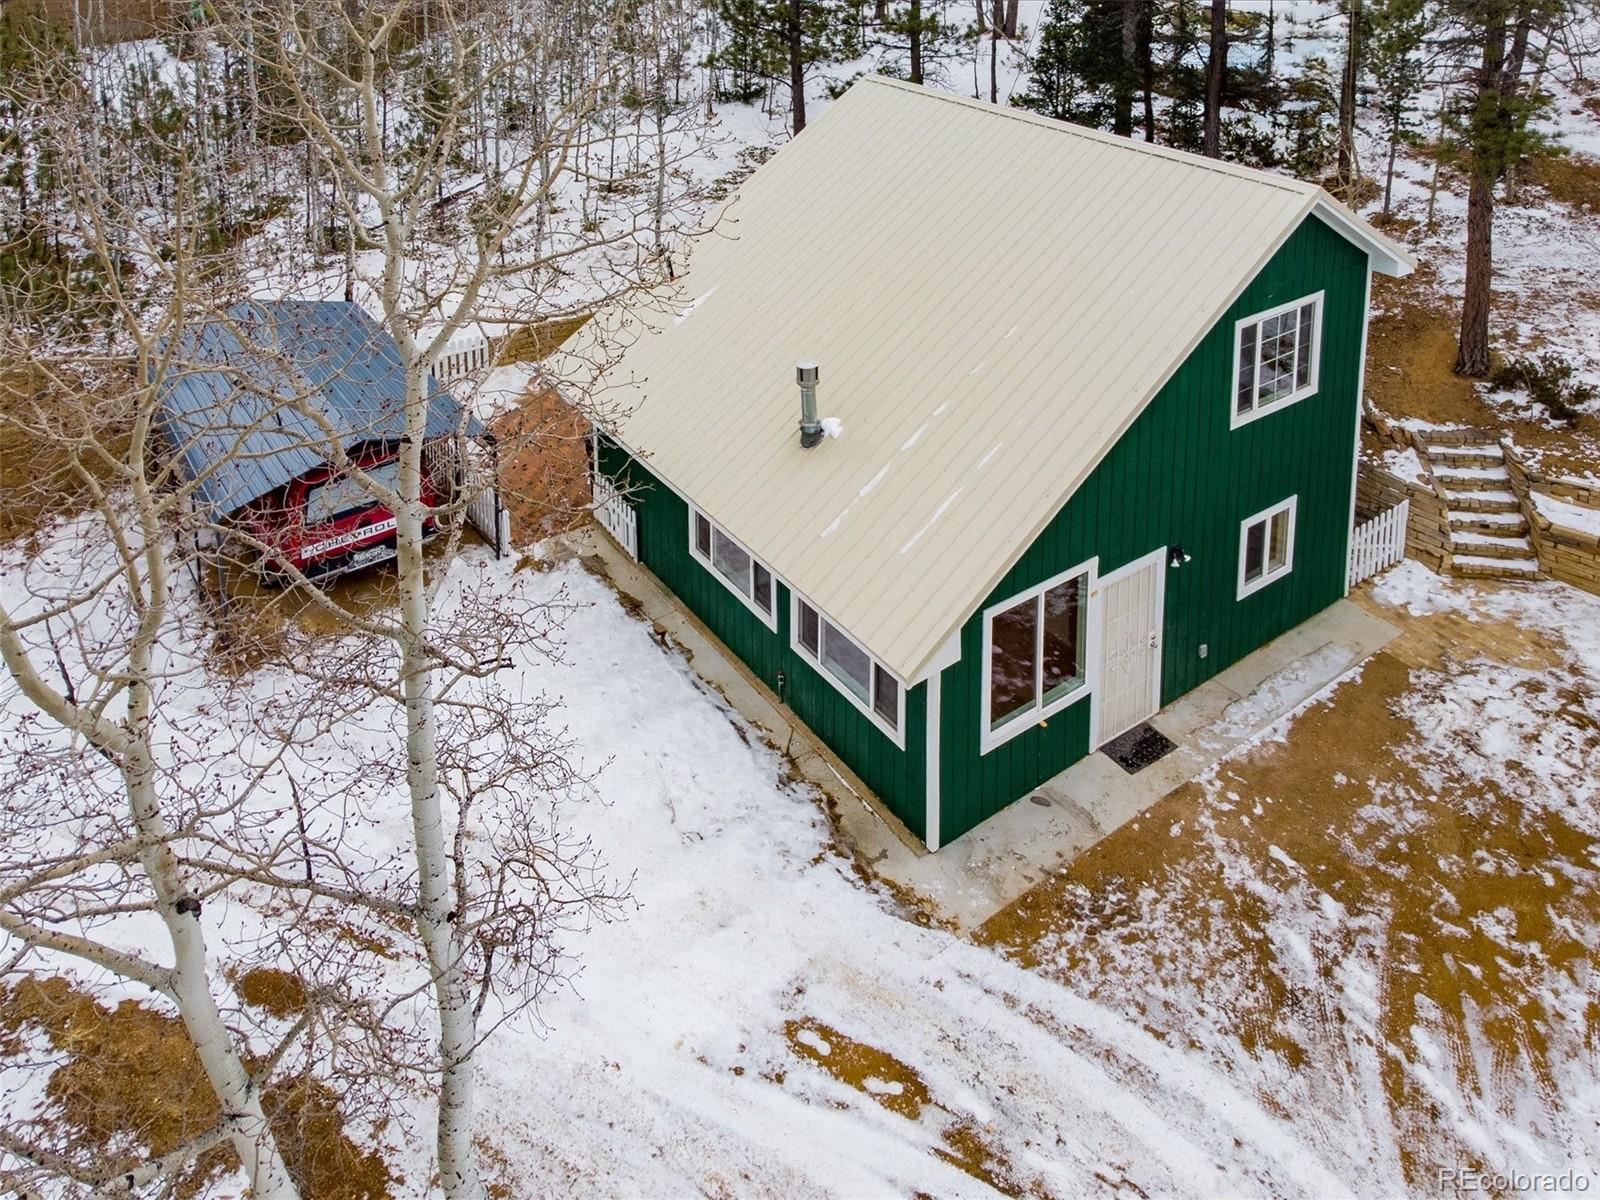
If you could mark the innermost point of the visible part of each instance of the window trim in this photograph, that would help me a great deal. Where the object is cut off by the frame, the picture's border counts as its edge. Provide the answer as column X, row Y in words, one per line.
column 1268, row 575
column 1236, row 419
column 988, row 738
column 769, row 619
column 895, row 733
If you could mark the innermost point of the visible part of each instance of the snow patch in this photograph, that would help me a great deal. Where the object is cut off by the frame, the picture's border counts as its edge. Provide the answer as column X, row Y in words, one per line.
column 1567, row 514
column 690, row 308
column 810, row 1037
column 928, row 524
column 1407, row 464
column 873, row 482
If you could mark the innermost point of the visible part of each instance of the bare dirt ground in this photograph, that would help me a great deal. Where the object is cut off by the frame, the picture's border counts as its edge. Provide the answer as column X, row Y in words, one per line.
column 1545, row 298
column 1411, row 347
column 127, row 1086
column 1388, row 906
column 544, row 466
column 544, row 451
column 1411, row 353
column 898, row 1087
column 50, row 451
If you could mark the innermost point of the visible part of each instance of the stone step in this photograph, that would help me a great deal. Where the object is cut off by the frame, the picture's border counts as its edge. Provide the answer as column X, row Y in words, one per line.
column 1489, row 546
column 1482, row 500
column 1512, row 523
column 1464, row 436
column 1479, row 566
column 1447, row 461
column 1466, row 456
column 1475, row 479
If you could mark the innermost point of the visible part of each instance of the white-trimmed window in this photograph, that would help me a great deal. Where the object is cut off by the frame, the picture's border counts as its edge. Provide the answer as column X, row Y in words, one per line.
column 840, row 659
column 1266, row 547
column 1035, row 654
column 1276, row 358
column 745, row 575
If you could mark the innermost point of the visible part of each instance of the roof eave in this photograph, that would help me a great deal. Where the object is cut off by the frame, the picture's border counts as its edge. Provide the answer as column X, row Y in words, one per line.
column 1387, row 255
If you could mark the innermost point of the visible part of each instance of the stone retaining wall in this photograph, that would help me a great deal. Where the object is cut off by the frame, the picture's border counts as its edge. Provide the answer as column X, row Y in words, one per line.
column 1427, row 525
column 1576, row 491
column 1567, row 555
column 1570, row 555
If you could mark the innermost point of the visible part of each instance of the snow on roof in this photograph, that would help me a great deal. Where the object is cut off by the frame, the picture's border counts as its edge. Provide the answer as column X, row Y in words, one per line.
column 992, row 297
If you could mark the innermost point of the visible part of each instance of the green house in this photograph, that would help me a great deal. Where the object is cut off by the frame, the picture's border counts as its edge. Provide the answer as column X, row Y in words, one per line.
column 980, row 437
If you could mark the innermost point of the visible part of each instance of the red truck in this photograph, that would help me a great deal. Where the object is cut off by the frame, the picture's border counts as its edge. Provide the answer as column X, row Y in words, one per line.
column 325, row 523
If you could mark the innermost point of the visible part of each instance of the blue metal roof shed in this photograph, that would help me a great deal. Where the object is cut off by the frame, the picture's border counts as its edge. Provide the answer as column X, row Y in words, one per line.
column 235, row 410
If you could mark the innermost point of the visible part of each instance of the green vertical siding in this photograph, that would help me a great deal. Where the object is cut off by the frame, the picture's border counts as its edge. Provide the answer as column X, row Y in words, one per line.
column 895, row 776
column 1181, row 476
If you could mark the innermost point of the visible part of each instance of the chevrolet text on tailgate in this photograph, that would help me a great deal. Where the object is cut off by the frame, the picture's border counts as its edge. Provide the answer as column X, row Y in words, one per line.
column 345, row 540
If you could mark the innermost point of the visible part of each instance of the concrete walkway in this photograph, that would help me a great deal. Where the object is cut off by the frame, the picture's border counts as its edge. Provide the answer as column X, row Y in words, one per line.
column 982, row 871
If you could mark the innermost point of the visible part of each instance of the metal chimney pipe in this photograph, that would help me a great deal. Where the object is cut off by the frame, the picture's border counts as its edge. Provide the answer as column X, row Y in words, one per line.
column 805, row 374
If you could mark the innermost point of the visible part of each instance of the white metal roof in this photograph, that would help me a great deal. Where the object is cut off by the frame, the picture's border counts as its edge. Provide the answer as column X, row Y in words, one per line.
column 992, row 298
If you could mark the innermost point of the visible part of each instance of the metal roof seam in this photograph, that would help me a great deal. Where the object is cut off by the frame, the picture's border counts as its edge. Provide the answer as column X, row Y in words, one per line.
column 991, row 304
column 246, row 418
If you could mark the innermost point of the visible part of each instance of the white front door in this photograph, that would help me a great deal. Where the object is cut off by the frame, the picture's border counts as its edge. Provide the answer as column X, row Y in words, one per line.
column 1128, row 687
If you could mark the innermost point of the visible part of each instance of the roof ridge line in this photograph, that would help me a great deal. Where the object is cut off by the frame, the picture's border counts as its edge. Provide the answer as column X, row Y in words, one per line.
column 1171, row 153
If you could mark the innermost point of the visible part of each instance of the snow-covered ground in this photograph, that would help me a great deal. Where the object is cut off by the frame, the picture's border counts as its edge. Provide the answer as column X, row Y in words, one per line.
column 667, row 1070
column 1566, row 514
column 691, row 1053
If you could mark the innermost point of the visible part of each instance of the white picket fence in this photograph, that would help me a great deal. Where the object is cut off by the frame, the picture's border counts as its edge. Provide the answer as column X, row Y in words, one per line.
column 1378, row 543
column 461, row 356
column 474, row 464
column 617, row 516
column 488, row 516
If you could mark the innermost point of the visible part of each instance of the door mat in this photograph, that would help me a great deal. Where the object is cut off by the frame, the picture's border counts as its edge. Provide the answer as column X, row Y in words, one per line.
column 1138, row 748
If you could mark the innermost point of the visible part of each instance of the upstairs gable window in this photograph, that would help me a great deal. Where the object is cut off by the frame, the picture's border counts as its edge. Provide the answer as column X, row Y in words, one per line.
column 1276, row 358
column 745, row 575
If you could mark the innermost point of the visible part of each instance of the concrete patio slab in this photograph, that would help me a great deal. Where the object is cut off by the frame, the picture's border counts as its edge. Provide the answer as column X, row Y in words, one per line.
column 979, row 873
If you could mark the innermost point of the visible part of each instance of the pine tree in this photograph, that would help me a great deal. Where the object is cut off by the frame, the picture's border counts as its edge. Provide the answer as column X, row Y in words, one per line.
column 1310, row 128
column 1216, row 75
column 1348, row 169
column 772, row 39
column 1396, row 30
column 1078, row 73
column 750, row 57
column 1181, row 79
column 930, row 39
column 1494, row 124
column 29, row 45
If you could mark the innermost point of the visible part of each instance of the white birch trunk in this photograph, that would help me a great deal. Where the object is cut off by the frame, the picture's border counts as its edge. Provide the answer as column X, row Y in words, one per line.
column 237, row 1093
column 435, row 916
column 249, row 1130
column 128, row 744
column 458, row 1032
